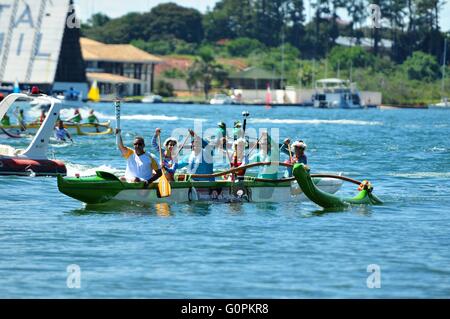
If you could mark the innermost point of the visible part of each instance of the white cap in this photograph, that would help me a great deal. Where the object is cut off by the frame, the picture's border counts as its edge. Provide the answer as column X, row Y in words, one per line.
column 299, row 144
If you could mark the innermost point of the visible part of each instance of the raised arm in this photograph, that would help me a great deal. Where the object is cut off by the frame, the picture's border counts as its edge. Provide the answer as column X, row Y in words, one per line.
column 120, row 145
column 155, row 141
column 285, row 147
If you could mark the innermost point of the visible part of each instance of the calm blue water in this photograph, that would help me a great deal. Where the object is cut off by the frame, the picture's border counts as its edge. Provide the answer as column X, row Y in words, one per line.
column 278, row 250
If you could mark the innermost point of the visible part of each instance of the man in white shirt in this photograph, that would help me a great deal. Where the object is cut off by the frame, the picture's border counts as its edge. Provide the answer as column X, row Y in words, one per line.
column 141, row 166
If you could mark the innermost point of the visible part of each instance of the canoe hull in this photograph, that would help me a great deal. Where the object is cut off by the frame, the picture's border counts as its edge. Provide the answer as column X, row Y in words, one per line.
column 97, row 190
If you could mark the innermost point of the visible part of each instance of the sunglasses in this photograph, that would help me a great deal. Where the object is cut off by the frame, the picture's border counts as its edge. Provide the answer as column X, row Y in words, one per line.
column 138, row 144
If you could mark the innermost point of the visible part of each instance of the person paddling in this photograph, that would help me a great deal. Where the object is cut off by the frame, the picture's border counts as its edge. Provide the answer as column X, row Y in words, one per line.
column 169, row 160
column 239, row 158
column 141, row 166
column 296, row 153
column 76, row 118
column 61, row 132
column 265, row 154
column 93, row 119
column 6, row 121
column 41, row 118
column 199, row 161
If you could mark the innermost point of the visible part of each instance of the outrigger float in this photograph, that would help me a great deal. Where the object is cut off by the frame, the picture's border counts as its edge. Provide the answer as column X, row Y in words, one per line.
column 32, row 160
column 330, row 201
column 107, row 188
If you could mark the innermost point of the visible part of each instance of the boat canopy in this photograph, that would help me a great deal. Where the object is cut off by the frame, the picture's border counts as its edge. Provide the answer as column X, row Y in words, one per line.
column 335, row 85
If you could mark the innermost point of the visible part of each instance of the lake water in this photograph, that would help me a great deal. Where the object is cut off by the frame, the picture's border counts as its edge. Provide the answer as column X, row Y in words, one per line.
column 276, row 250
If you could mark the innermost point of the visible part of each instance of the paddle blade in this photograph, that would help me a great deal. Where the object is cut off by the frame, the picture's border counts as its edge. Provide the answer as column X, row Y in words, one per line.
column 164, row 188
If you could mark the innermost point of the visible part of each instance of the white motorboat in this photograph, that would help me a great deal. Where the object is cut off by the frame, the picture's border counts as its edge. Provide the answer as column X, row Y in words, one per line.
column 221, row 99
column 336, row 93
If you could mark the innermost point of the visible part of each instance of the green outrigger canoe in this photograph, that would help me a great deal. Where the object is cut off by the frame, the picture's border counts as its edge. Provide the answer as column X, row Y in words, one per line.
column 105, row 188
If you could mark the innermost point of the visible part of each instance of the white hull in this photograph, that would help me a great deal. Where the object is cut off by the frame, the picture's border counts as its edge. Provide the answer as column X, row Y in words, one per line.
column 291, row 193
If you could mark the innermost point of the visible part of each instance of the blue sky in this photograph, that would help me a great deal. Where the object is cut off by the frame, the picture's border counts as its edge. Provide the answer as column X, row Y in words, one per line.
column 117, row 8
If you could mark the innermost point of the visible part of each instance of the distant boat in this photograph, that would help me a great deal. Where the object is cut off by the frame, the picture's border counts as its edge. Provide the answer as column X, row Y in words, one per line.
column 445, row 104
column 70, row 99
column 336, row 93
column 152, row 98
column 94, row 92
column 221, row 99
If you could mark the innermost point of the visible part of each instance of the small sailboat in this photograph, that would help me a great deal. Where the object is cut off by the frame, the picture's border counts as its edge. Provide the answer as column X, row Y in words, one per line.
column 445, row 103
column 94, row 92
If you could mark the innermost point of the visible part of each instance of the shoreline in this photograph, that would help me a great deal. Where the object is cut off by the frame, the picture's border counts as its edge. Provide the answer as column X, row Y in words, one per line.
column 302, row 105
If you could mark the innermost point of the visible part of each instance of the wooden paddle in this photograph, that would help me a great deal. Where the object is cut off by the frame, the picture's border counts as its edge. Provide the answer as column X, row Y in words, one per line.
column 182, row 146
column 254, row 146
column 164, row 187
column 117, row 109
column 290, row 152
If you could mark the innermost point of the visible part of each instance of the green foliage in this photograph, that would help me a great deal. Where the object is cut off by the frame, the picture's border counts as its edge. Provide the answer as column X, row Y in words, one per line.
column 243, row 47
column 166, row 47
column 120, row 30
column 166, row 20
column 273, row 60
column 206, row 55
column 164, row 89
column 256, row 30
column 174, row 74
column 206, row 71
column 421, row 66
column 342, row 57
column 172, row 20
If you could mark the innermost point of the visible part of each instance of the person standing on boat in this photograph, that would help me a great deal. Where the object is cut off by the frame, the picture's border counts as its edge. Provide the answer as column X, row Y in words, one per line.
column 61, row 132
column 141, row 166
column 169, row 160
column 296, row 153
column 199, row 161
column 76, row 118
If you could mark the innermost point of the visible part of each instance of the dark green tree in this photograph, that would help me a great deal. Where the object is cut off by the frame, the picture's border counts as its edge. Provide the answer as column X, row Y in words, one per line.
column 172, row 20
column 120, row 30
column 205, row 70
column 421, row 66
column 230, row 19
